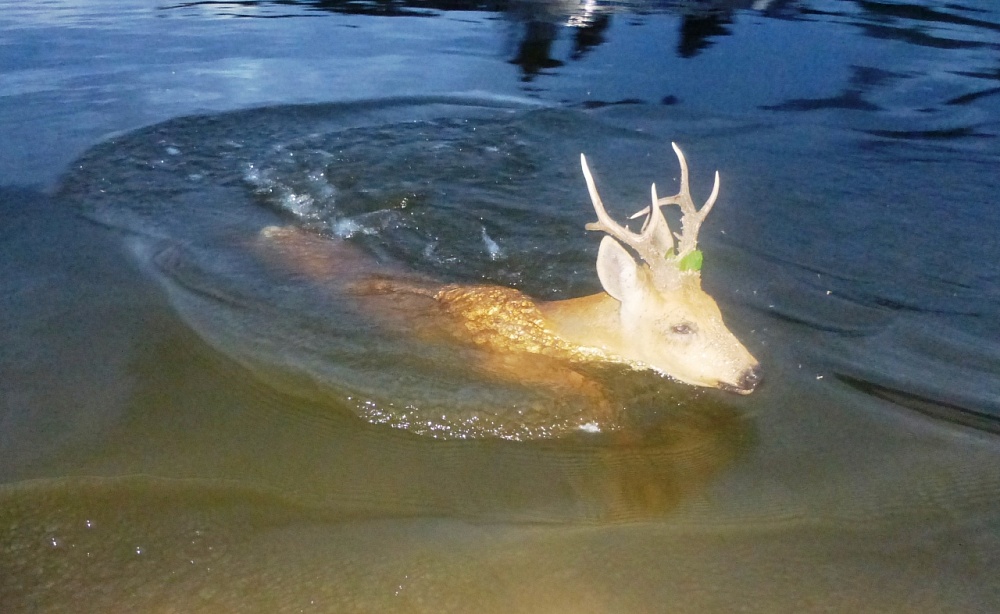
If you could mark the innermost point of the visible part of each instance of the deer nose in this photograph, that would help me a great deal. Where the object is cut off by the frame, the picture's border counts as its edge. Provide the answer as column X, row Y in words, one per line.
column 750, row 379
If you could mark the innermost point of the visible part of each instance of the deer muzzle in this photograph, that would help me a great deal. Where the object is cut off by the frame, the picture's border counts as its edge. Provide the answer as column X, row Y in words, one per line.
column 748, row 382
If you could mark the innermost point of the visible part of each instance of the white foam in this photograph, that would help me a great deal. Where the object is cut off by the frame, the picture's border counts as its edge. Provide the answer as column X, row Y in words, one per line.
column 491, row 246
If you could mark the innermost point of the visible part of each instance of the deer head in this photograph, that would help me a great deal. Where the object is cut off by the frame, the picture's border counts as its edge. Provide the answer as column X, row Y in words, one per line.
column 667, row 321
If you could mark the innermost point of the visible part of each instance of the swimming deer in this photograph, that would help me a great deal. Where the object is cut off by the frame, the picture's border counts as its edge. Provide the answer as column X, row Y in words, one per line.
column 652, row 314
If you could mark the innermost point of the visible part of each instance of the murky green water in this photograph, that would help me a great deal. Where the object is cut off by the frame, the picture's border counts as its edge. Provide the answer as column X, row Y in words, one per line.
column 189, row 425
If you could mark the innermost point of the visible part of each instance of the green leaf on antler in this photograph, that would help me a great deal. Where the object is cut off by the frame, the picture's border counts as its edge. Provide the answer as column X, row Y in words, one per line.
column 692, row 261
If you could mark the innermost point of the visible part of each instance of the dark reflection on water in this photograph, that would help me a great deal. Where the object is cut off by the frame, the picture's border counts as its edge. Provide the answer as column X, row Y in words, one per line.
column 905, row 22
column 118, row 67
column 539, row 29
column 943, row 410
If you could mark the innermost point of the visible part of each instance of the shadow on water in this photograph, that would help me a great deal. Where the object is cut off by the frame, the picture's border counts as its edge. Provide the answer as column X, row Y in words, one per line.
column 198, row 415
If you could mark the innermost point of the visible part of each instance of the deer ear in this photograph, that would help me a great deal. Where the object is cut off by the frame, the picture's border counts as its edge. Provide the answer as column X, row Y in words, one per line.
column 617, row 270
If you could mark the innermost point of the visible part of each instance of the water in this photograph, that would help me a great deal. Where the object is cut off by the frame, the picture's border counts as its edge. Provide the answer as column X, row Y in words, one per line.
column 188, row 425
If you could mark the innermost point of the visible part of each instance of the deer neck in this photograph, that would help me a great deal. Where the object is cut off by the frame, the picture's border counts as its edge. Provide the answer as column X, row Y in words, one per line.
column 589, row 321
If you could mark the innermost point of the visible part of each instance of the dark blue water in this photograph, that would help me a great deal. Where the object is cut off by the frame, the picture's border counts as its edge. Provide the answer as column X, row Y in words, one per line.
column 184, row 427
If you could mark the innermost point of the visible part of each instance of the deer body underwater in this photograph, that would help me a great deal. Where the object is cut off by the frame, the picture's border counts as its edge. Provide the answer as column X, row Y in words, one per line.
column 652, row 314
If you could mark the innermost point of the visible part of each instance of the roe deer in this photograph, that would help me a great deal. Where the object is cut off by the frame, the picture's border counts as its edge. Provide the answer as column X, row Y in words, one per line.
column 653, row 313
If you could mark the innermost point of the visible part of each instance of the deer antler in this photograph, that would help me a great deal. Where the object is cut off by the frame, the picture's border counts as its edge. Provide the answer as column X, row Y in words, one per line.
column 655, row 242
column 691, row 216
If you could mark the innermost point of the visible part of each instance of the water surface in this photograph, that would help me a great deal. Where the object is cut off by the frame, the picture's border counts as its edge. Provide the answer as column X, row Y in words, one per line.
column 187, row 427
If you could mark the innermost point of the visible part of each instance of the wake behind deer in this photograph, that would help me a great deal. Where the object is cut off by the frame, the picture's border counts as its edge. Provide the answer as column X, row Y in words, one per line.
column 652, row 315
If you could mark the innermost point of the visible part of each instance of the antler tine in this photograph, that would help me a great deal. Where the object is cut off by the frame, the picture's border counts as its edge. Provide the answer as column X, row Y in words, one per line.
column 654, row 243
column 691, row 217
column 650, row 219
column 657, row 227
column 604, row 222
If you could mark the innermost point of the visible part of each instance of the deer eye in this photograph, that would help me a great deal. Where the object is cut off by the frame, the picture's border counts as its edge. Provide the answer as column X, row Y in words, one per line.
column 684, row 328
